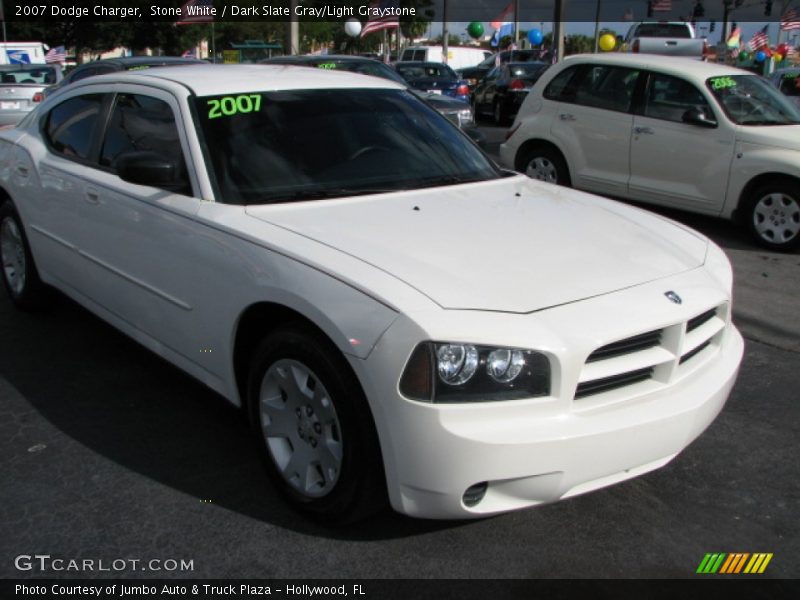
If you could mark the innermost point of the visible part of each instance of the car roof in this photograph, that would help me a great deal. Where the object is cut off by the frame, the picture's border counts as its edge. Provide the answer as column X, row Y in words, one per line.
column 211, row 80
column 311, row 58
column 132, row 61
column 686, row 67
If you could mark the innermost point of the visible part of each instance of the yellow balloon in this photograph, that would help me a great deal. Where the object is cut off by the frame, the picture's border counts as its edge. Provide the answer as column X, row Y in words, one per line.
column 607, row 42
column 777, row 57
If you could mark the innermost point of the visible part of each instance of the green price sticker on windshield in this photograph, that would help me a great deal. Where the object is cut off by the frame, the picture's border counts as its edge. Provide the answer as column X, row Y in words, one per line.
column 721, row 83
column 228, row 106
column 326, row 66
column 791, row 75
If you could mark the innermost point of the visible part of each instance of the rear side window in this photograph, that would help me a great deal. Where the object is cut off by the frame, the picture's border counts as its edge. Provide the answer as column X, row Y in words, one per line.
column 71, row 125
column 559, row 89
column 606, row 87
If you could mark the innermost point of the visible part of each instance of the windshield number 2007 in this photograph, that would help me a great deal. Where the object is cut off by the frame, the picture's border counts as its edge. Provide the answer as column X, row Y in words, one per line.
column 232, row 105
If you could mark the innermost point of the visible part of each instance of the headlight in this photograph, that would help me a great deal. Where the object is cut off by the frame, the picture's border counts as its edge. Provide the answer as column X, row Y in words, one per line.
column 453, row 372
column 465, row 116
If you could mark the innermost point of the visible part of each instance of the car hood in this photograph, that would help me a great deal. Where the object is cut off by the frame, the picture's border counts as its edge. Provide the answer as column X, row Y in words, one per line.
column 779, row 136
column 513, row 245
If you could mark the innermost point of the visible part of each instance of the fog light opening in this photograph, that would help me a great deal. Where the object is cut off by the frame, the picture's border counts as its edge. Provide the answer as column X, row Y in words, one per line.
column 475, row 494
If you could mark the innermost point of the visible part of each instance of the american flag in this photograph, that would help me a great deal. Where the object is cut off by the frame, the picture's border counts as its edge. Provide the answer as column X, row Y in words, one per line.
column 201, row 10
column 760, row 38
column 790, row 20
column 56, row 55
column 378, row 23
column 661, row 5
column 501, row 18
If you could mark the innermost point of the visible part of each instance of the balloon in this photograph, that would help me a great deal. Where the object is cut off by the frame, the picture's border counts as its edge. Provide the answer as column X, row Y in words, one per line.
column 475, row 29
column 744, row 55
column 777, row 57
column 761, row 56
column 783, row 49
column 352, row 27
column 535, row 37
column 607, row 42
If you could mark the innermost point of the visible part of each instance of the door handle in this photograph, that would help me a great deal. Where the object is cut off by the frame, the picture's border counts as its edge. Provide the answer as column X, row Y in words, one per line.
column 643, row 130
column 92, row 197
column 566, row 117
column 22, row 170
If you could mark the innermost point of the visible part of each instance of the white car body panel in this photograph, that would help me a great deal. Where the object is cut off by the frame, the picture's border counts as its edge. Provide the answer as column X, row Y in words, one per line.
column 507, row 262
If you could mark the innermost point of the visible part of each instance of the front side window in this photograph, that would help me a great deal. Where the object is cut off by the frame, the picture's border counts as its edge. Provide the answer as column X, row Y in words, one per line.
column 751, row 100
column 285, row 146
column 668, row 98
column 144, row 124
column 70, row 126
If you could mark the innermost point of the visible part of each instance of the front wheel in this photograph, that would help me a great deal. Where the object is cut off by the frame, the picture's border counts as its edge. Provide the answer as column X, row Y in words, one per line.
column 20, row 277
column 773, row 215
column 545, row 164
column 315, row 427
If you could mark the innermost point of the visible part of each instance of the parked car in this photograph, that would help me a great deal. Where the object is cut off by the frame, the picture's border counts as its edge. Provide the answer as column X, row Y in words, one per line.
column 473, row 75
column 696, row 136
column 21, row 89
column 788, row 82
column 455, row 110
column 124, row 63
column 397, row 315
column 676, row 38
column 436, row 78
column 503, row 90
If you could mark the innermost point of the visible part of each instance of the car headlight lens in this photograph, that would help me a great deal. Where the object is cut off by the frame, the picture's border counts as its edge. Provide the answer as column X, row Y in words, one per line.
column 465, row 116
column 456, row 363
column 453, row 372
column 503, row 365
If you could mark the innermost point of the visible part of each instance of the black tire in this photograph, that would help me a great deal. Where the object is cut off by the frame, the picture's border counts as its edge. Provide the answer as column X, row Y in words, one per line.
column 772, row 215
column 357, row 488
column 545, row 164
column 19, row 274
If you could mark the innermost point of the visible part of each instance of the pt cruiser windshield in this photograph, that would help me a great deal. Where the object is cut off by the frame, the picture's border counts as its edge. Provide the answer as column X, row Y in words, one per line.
column 750, row 100
column 288, row 146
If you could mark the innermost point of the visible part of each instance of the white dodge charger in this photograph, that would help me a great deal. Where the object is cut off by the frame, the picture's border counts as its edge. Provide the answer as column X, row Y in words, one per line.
column 400, row 318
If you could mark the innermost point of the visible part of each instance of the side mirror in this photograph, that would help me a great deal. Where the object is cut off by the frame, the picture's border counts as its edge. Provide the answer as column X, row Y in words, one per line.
column 148, row 168
column 698, row 117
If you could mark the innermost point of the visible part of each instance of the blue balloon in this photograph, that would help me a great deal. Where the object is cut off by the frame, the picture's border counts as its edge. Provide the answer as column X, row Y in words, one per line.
column 761, row 56
column 535, row 37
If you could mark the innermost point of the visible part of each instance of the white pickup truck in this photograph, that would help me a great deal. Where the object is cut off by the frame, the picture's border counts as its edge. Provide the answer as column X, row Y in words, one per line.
column 674, row 38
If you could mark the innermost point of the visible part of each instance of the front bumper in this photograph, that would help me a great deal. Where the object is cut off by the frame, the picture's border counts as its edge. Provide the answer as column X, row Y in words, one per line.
column 543, row 449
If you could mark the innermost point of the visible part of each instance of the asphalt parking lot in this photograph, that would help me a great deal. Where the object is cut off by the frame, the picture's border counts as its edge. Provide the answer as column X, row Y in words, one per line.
column 107, row 452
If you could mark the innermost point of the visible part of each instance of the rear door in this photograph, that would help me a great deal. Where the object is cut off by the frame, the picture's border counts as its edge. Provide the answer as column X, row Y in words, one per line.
column 593, row 125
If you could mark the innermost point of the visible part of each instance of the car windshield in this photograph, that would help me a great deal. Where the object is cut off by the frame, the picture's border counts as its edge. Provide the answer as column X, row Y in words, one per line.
column 526, row 71
column 297, row 145
column 751, row 100
column 365, row 67
column 41, row 75
column 427, row 71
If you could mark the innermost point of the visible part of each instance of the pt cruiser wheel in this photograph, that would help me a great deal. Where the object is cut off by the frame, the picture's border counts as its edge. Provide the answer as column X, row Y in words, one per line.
column 315, row 427
column 774, row 215
column 545, row 164
column 19, row 272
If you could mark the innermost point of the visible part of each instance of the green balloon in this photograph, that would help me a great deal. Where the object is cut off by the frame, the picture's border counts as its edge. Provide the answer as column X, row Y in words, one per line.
column 744, row 55
column 475, row 29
